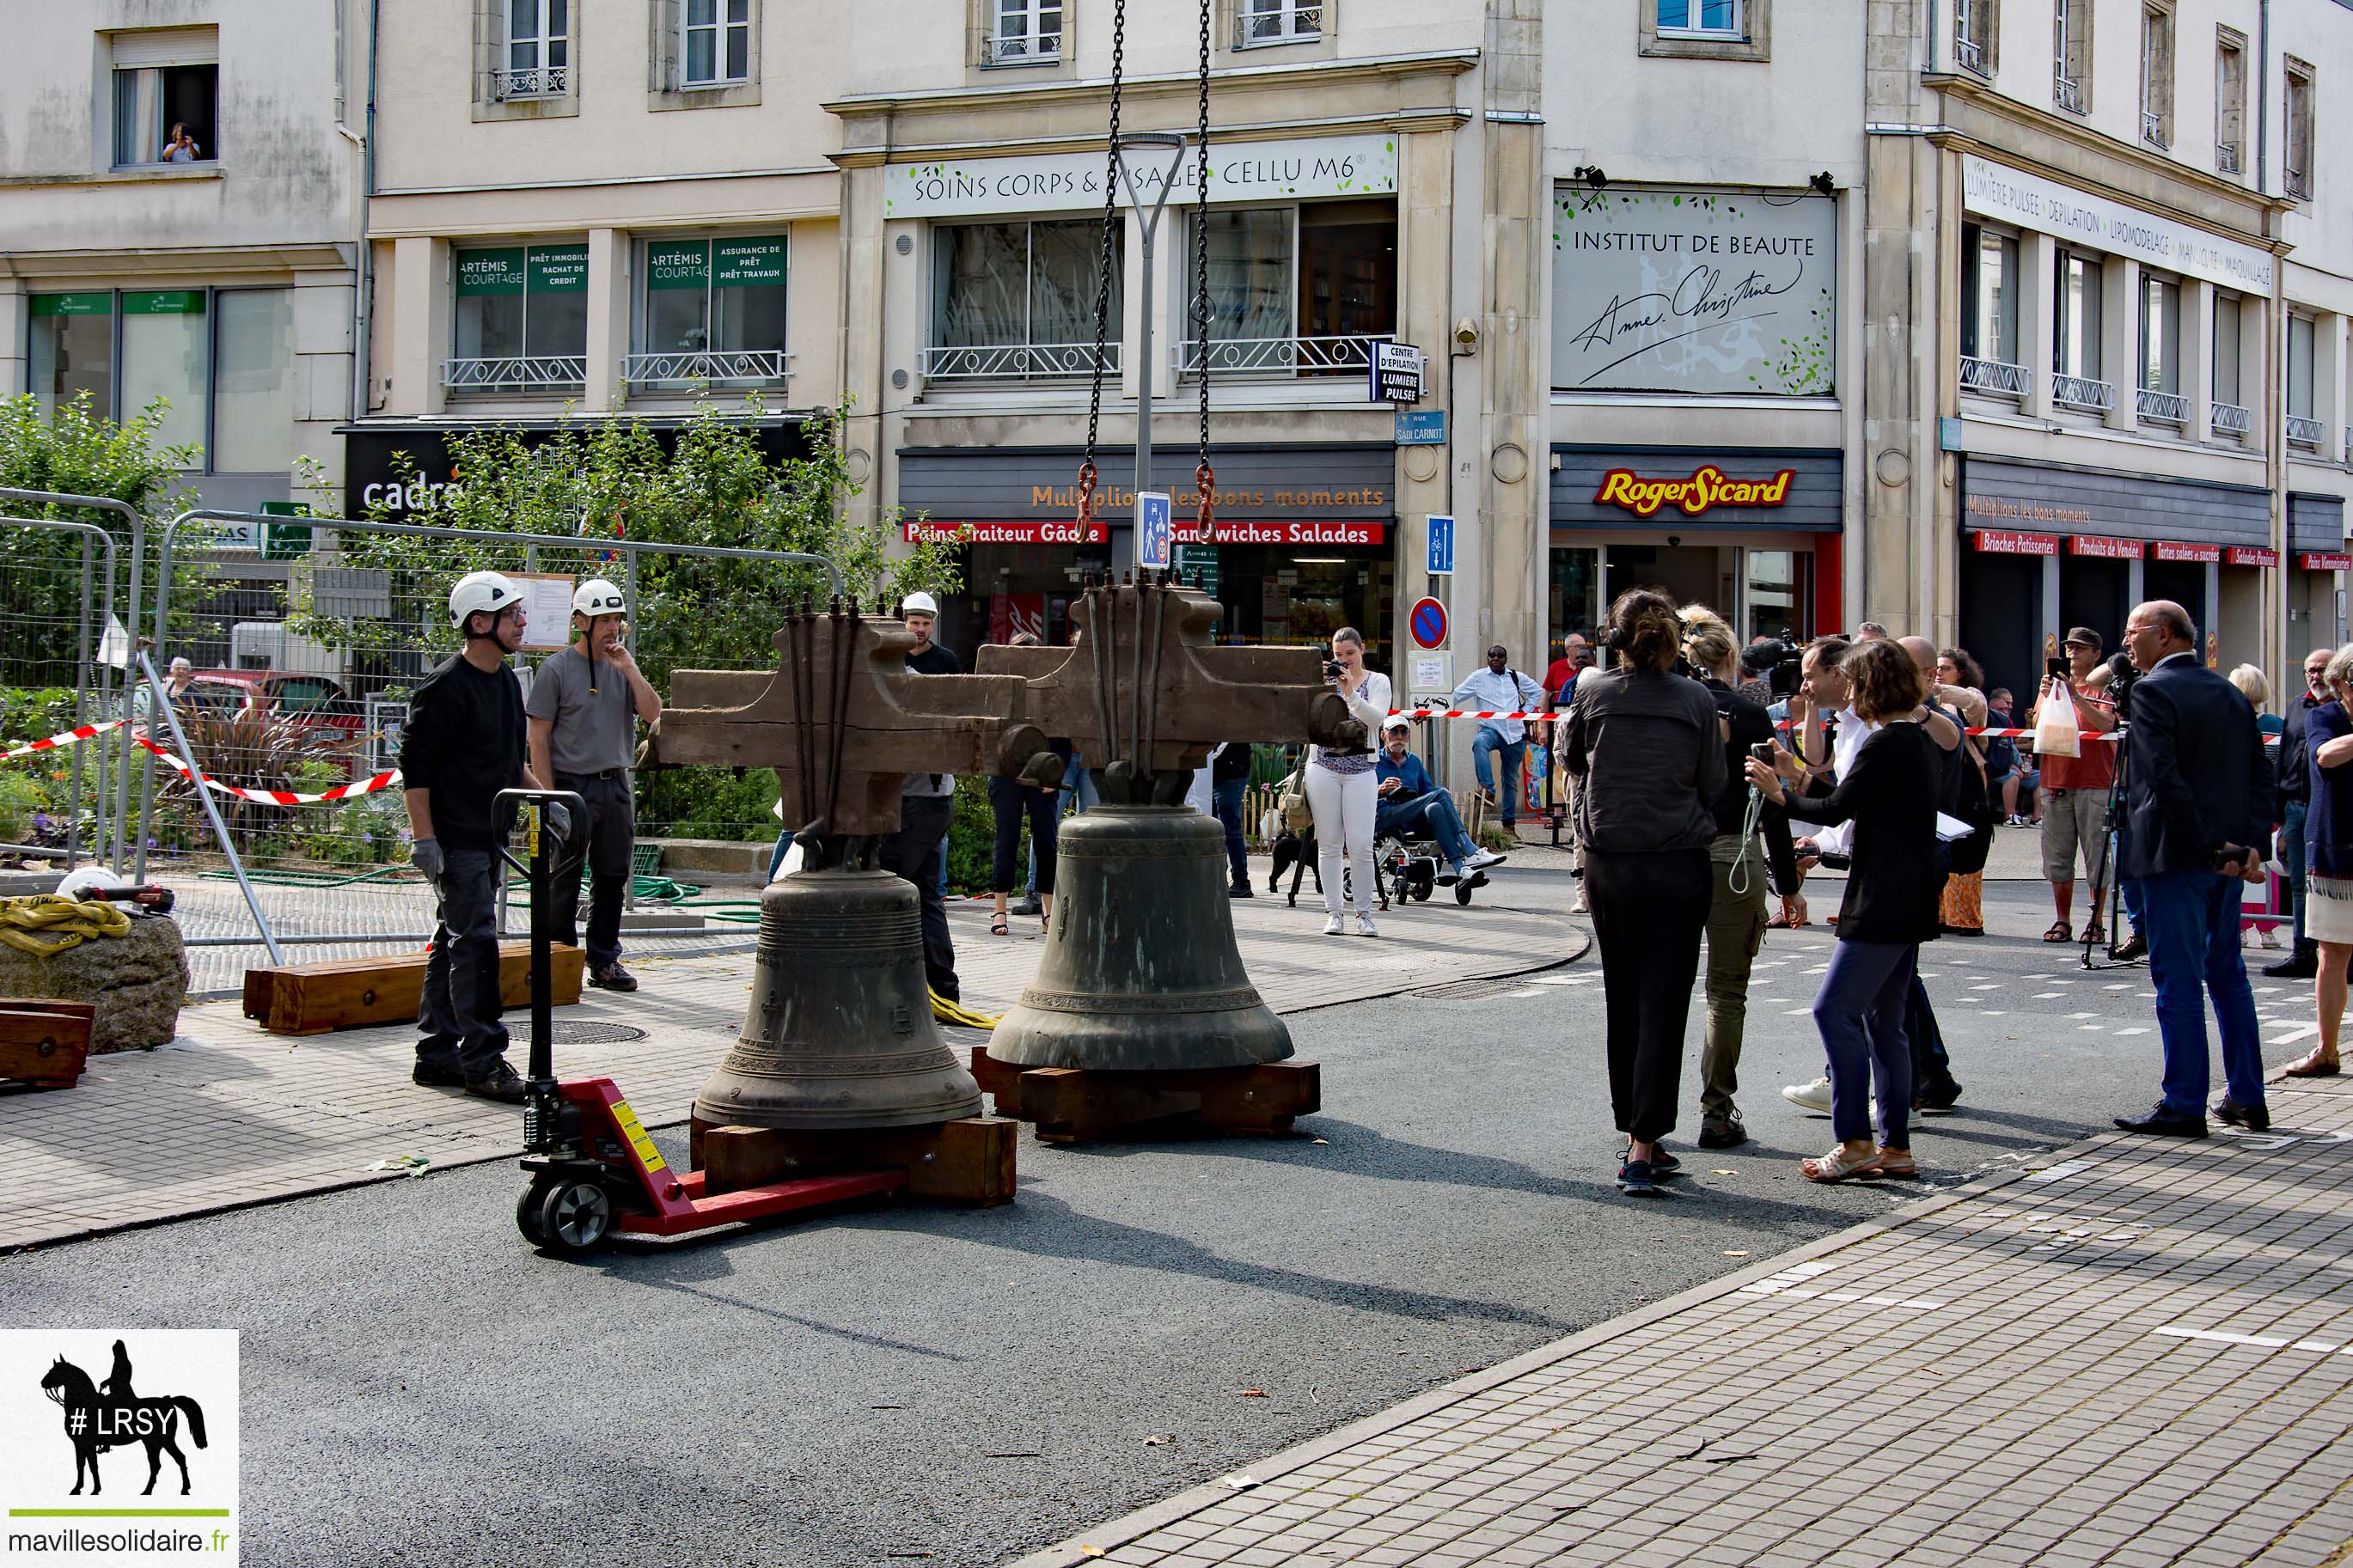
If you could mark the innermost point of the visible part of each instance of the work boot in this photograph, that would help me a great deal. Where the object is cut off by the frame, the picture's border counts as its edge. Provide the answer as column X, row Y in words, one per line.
column 1240, row 889
column 1722, row 1132
column 613, row 977
column 2301, row 965
column 1029, row 904
column 437, row 1074
column 502, row 1083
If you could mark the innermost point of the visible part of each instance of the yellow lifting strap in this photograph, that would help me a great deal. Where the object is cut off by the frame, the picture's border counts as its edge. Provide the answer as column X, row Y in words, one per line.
column 948, row 1011
column 46, row 924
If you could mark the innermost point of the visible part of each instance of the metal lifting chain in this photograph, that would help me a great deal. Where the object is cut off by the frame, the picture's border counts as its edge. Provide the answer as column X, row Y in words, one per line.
column 1103, row 275
column 1205, row 478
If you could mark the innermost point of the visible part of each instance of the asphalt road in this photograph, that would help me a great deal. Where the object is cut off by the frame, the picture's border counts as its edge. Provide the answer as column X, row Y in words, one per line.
column 901, row 1383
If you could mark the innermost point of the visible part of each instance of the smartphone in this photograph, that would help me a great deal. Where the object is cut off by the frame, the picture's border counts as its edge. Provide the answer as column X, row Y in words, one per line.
column 2056, row 668
column 1762, row 751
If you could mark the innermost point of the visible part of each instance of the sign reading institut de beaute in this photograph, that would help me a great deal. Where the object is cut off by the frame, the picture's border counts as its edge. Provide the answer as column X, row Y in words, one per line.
column 1073, row 182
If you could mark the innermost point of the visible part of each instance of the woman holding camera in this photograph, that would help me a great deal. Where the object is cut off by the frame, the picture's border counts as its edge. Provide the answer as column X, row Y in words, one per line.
column 1893, row 886
column 1342, row 790
column 1644, row 744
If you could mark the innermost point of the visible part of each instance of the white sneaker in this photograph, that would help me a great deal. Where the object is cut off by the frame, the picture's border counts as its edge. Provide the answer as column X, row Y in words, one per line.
column 1363, row 925
column 1336, row 926
column 1814, row 1096
column 1580, row 907
column 1483, row 859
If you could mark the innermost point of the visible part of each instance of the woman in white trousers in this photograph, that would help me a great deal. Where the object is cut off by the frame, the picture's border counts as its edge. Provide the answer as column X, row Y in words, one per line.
column 1342, row 790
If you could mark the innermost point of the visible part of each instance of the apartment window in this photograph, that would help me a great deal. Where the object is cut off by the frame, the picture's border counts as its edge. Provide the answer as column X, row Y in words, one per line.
column 2070, row 42
column 2161, row 334
column 1017, row 301
column 2229, row 100
column 2297, row 156
column 2300, row 345
column 710, row 309
column 520, row 318
column 718, row 44
column 1277, row 22
column 1710, row 19
column 166, row 96
column 1024, row 32
column 223, row 359
column 2157, row 76
column 2227, row 326
column 538, row 60
column 1975, row 29
column 2076, row 338
column 1990, row 296
column 1302, row 290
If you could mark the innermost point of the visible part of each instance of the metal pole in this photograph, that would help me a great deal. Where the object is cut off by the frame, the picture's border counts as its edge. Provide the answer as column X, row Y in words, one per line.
column 204, row 793
column 90, row 532
column 1174, row 141
column 81, row 714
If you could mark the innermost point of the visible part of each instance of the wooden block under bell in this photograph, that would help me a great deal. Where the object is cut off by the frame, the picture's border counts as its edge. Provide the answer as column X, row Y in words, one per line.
column 351, row 993
column 967, row 1161
column 1073, row 1105
column 44, row 1043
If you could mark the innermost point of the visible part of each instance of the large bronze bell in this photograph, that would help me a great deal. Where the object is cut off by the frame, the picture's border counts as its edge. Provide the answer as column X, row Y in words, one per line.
column 838, row 1032
column 1140, row 971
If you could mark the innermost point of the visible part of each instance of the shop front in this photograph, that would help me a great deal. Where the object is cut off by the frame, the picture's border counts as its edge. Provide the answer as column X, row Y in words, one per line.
column 2316, row 595
column 2046, row 547
column 1756, row 533
column 1303, row 542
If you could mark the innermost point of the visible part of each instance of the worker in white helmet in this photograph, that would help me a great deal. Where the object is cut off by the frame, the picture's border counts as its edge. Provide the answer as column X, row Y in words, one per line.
column 584, row 705
column 919, row 850
column 464, row 742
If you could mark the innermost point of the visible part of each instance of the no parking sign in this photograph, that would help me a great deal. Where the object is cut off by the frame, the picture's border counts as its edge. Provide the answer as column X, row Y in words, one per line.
column 1427, row 624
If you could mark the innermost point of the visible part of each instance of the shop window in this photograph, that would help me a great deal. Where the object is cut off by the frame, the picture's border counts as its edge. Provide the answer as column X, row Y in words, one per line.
column 2161, row 334
column 253, row 381
column 717, row 45
column 1024, row 32
column 1302, row 290
column 2229, row 100
column 1574, row 595
column 166, row 87
column 537, row 60
column 2075, row 335
column 1015, row 301
column 165, row 345
column 521, row 319
column 2295, row 157
column 2071, row 43
column 1975, row 34
column 1990, row 359
column 2157, row 76
column 1779, row 584
column 1262, row 22
column 710, row 311
column 73, row 349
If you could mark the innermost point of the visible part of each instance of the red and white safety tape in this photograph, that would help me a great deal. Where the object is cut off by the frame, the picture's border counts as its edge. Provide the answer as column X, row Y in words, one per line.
column 62, row 738
column 368, row 785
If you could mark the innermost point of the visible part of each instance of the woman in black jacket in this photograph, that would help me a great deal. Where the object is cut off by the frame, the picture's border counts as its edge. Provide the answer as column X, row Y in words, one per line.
column 1644, row 743
column 1890, row 793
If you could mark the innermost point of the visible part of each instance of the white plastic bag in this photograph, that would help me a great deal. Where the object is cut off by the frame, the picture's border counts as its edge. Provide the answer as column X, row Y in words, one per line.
column 2056, row 730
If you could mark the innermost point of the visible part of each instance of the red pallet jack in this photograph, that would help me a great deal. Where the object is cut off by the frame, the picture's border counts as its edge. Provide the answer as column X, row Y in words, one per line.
column 594, row 1172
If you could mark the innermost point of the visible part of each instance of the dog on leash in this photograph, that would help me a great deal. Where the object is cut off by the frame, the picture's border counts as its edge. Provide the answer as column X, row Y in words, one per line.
column 1295, row 853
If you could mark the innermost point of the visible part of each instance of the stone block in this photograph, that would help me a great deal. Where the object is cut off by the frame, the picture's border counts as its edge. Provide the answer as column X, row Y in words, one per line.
column 137, row 983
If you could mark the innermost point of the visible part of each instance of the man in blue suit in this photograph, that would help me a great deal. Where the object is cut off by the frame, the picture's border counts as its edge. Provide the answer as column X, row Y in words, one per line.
column 2198, row 801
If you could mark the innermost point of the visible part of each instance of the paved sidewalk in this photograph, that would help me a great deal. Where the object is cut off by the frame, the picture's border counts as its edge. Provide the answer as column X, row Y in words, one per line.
column 227, row 1114
column 2139, row 1354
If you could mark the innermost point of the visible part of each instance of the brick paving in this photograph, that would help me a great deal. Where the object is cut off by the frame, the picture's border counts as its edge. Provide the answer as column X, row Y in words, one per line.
column 228, row 1115
column 2140, row 1352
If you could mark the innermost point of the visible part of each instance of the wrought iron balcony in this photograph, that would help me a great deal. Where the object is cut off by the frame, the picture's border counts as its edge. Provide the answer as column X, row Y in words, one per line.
column 1280, row 356
column 2230, row 419
column 2082, row 394
column 1994, row 378
column 516, row 373
column 2303, row 432
column 2068, row 92
column 537, row 81
column 1046, row 48
column 2156, row 407
column 2152, row 129
column 1017, row 361
column 2226, row 157
column 706, row 367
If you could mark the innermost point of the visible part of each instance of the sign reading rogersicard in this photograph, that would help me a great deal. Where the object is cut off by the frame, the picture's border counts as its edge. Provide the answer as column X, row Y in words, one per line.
column 2043, row 204
column 1694, row 291
column 1073, row 182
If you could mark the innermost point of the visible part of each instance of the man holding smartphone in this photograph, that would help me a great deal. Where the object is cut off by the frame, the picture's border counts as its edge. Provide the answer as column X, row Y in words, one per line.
column 584, row 706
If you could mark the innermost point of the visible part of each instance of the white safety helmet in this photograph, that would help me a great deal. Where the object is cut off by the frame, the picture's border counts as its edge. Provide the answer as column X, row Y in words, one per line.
column 489, row 592
column 918, row 604
column 596, row 597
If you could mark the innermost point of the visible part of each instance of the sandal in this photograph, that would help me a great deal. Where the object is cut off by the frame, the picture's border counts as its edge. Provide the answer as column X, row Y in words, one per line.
column 2060, row 931
column 2312, row 1064
column 1897, row 1164
column 1838, row 1165
column 2095, row 934
column 997, row 926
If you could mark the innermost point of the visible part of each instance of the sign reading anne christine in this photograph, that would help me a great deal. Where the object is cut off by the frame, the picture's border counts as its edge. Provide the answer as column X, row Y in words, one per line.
column 1068, row 182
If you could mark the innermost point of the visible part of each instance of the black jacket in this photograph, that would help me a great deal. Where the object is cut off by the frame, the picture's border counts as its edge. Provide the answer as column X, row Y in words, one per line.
column 1233, row 763
column 2294, row 769
column 1644, row 743
column 2195, row 775
column 1890, row 793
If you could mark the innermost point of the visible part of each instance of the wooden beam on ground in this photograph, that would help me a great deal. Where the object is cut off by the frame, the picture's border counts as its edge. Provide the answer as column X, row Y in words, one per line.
column 969, row 1161
column 44, row 1043
column 352, row 992
column 1075, row 1105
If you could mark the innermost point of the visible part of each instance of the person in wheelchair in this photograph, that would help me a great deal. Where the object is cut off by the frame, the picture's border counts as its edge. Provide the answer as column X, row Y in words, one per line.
column 1410, row 805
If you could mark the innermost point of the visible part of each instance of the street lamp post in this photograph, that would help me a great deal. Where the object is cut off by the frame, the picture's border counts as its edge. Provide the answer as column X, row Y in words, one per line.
column 1174, row 142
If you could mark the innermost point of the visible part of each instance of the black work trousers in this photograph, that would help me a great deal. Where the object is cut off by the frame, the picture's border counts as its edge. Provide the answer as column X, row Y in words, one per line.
column 612, row 834
column 1649, row 910
column 914, row 852
column 1010, row 800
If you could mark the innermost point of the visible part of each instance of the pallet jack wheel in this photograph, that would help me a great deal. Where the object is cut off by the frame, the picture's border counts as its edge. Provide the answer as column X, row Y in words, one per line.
column 575, row 1216
column 527, row 1208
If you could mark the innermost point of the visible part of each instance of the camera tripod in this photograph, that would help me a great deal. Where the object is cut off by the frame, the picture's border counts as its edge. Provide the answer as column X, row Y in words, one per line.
column 2106, row 887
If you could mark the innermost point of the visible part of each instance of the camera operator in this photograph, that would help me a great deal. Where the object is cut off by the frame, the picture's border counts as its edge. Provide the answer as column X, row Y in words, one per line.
column 2201, row 815
column 2075, row 789
column 1643, row 743
column 1736, row 919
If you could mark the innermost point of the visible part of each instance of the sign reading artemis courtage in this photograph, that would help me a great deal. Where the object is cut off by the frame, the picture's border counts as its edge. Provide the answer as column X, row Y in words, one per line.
column 1073, row 182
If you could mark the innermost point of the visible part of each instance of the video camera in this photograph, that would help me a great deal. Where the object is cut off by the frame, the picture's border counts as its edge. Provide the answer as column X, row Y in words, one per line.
column 1780, row 659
